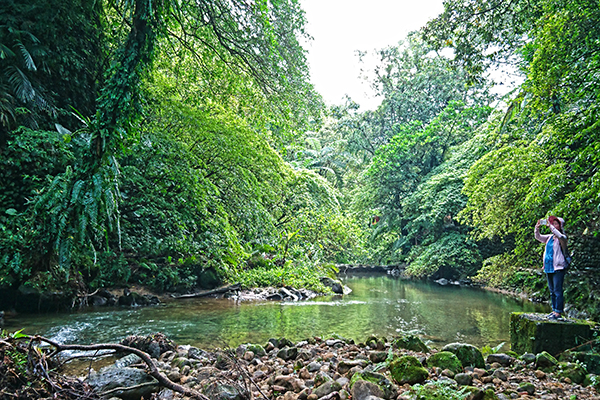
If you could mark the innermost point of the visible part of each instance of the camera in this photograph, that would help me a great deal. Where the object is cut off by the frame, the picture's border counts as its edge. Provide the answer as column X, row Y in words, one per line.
column 544, row 222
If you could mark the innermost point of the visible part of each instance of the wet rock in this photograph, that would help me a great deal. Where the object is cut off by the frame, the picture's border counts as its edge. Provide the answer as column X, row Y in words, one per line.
column 463, row 379
column 503, row 359
column 378, row 356
column 469, row 355
column 249, row 355
column 140, row 382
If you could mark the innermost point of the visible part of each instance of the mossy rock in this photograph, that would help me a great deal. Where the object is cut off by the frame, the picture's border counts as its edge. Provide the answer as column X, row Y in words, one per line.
column 408, row 369
column 410, row 342
column 257, row 349
column 387, row 387
column 375, row 343
column 445, row 360
column 574, row 371
column 489, row 394
column 591, row 361
column 545, row 360
column 533, row 333
column 469, row 355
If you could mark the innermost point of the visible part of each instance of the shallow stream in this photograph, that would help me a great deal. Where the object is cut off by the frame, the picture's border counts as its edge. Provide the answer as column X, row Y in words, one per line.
column 377, row 305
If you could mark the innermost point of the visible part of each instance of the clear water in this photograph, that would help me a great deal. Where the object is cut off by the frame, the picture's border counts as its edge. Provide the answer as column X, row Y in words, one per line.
column 378, row 305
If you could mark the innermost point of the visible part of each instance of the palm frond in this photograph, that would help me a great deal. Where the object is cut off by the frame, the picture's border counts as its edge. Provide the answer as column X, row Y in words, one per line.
column 20, row 84
column 27, row 58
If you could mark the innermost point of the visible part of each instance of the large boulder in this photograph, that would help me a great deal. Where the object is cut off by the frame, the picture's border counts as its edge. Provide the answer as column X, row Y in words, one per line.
column 335, row 285
column 533, row 333
column 445, row 360
column 135, row 383
column 469, row 355
column 408, row 369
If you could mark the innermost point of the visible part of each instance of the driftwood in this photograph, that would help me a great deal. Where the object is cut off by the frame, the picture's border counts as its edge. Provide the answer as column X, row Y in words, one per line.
column 222, row 289
column 153, row 370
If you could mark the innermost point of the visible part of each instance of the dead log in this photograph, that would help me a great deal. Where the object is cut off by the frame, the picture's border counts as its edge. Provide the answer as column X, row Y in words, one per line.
column 222, row 289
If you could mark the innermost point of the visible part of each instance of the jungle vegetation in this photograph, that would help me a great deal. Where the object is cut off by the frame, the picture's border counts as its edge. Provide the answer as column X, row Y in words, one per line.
column 178, row 144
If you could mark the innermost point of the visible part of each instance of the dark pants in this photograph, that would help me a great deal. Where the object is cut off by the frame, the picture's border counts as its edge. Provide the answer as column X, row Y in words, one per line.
column 555, row 284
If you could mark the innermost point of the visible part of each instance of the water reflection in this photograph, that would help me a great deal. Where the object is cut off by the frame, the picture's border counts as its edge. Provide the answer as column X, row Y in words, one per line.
column 378, row 305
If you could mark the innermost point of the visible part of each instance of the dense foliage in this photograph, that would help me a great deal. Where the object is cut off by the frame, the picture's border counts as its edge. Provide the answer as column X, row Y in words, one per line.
column 182, row 144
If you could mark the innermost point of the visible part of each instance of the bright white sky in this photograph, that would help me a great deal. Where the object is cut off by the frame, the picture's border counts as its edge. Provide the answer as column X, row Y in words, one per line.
column 340, row 27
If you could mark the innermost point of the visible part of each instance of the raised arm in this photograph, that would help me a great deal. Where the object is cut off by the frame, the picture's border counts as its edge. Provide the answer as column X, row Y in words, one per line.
column 536, row 232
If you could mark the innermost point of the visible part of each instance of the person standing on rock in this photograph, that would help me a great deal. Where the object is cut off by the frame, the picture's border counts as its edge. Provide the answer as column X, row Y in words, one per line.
column 555, row 261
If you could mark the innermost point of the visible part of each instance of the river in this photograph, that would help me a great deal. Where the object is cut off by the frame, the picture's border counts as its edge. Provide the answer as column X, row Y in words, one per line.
column 378, row 305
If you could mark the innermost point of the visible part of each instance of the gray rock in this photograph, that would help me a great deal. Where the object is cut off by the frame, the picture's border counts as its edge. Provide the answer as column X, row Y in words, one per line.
column 500, row 374
column 166, row 394
column 362, row 390
column 327, row 388
column 288, row 353
column 112, row 378
column 335, row 285
column 503, row 359
column 463, row 379
column 346, row 365
column 528, row 358
column 128, row 360
column 219, row 391
column 313, row 366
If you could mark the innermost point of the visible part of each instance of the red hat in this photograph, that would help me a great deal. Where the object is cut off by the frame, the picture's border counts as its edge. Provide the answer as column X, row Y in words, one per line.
column 552, row 218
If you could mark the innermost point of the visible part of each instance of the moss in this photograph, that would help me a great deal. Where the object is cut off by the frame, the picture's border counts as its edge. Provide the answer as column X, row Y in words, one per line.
column 384, row 384
column 445, row 360
column 469, row 355
column 408, row 369
column 410, row 342
column 489, row 394
column 574, row 371
column 545, row 361
column 532, row 334
column 256, row 349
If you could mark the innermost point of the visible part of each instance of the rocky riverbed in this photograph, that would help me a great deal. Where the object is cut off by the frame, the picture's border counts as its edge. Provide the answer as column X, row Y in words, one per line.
column 401, row 368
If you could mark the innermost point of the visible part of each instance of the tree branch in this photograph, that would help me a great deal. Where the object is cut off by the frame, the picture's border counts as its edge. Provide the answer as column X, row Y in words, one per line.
column 153, row 370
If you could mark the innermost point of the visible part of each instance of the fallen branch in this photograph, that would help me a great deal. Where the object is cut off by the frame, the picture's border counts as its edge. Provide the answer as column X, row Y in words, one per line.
column 153, row 370
column 115, row 390
column 223, row 289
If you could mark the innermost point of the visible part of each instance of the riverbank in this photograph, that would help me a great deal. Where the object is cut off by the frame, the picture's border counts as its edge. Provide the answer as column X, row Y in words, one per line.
column 335, row 368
